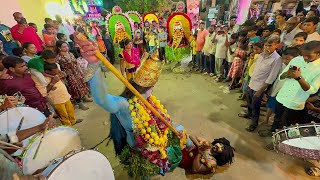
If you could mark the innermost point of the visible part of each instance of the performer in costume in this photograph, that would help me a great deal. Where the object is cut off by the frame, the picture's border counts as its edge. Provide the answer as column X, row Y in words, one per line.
column 179, row 30
column 144, row 144
column 119, row 28
column 129, row 59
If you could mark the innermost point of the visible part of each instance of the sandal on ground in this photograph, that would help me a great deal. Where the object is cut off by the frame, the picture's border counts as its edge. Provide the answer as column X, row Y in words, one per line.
column 265, row 133
column 313, row 171
column 244, row 116
column 269, row 147
column 251, row 128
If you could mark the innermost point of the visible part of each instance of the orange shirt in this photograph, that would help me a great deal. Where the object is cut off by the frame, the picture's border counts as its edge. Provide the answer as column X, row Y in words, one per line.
column 50, row 41
column 201, row 38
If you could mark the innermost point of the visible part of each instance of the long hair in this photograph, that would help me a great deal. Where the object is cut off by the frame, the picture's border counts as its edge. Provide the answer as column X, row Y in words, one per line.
column 226, row 156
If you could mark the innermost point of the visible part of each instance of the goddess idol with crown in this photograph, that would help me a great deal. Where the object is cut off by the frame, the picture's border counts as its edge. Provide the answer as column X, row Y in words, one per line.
column 119, row 27
column 179, row 29
column 144, row 140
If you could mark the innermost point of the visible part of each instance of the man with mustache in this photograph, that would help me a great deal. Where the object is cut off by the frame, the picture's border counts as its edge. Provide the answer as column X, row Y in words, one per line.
column 20, row 81
column 23, row 33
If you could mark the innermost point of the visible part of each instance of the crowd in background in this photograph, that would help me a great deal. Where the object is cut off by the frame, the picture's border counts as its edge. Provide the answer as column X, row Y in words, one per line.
column 273, row 60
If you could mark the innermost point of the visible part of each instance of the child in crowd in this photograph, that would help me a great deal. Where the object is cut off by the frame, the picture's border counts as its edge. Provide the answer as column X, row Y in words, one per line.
column 252, row 34
column 162, row 38
column 266, row 32
column 221, row 51
column 152, row 41
column 36, row 66
column 299, row 39
column 236, row 67
column 248, row 69
column 62, row 37
column 18, row 51
column 58, row 95
column 277, row 32
column 138, row 42
column 287, row 56
column 232, row 45
column 49, row 37
column 193, row 49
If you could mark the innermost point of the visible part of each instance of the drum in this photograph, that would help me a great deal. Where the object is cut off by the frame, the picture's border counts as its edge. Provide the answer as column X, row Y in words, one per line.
column 56, row 143
column 10, row 119
column 25, row 117
column 300, row 140
column 80, row 165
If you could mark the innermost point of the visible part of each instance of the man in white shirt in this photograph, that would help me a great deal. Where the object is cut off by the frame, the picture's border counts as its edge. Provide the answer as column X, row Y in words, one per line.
column 221, row 51
column 310, row 27
column 265, row 72
column 302, row 79
column 207, row 51
column 292, row 29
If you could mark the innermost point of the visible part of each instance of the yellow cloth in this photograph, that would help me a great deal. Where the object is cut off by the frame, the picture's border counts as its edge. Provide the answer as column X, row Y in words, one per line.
column 193, row 46
column 66, row 113
column 152, row 40
column 60, row 95
column 251, row 64
column 41, row 88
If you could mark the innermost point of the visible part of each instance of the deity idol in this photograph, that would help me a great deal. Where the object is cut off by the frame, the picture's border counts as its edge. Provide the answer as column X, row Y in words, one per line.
column 119, row 27
column 179, row 30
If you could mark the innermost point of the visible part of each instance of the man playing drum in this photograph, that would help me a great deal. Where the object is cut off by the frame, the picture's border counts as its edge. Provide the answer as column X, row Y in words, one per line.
column 8, row 165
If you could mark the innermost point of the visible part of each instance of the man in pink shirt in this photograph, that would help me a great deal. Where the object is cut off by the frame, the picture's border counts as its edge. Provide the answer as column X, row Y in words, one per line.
column 23, row 33
column 201, row 38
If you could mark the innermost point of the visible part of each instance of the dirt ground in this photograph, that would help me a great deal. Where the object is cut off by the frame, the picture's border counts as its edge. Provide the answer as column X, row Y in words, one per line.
column 201, row 106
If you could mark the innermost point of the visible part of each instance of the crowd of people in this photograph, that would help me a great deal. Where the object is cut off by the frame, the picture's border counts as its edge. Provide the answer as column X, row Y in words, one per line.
column 274, row 64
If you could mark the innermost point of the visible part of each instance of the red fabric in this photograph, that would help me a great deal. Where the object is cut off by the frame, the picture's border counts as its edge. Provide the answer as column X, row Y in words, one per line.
column 187, row 160
column 236, row 68
column 28, row 35
column 134, row 58
column 27, row 88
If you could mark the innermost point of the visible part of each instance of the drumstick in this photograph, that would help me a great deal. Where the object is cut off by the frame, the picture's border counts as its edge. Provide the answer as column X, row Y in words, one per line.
column 20, row 123
column 43, row 134
column 11, row 145
column 8, row 147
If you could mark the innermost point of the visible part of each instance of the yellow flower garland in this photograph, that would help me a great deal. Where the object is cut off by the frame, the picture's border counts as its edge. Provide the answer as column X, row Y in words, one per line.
column 141, row 117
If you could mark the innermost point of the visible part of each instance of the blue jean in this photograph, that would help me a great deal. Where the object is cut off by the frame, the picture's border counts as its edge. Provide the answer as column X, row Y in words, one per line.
column 254, row 104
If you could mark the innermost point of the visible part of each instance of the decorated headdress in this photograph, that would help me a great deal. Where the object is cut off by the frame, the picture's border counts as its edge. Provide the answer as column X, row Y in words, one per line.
column 134, row 16
column 118, row 19
column 149, row 72
column 182, row 19
column 150, row 17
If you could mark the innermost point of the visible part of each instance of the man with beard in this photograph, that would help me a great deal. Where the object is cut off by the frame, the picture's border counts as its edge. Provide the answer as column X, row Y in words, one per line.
column 23, row 33
column 21, row 81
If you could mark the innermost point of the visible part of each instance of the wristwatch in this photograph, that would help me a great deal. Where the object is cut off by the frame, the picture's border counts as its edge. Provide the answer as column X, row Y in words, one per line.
column 298, row 78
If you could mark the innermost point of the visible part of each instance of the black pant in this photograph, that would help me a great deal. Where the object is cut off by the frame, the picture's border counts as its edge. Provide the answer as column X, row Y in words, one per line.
column 286, row 117
column 254, row 104
column 162, row 53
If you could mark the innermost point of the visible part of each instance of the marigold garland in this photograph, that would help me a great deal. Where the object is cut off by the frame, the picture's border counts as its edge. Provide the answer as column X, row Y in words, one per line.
column 146, row 126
